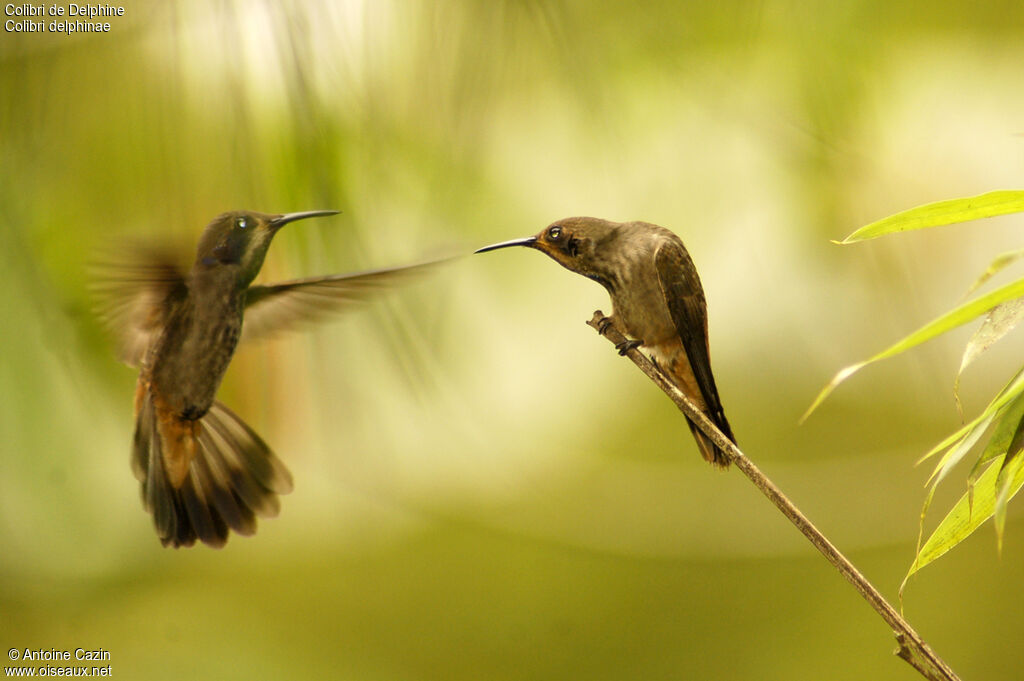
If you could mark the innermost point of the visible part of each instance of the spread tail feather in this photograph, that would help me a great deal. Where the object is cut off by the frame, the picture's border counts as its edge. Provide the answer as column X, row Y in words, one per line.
column 232, row 478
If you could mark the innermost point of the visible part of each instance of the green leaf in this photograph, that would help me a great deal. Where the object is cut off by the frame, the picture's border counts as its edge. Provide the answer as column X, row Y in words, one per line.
column 1007, row 410
column 987, row 493
column 943, row 213
column 1008, row 471
column 962, row 520
column 1000, row 320
column 1002, row 436
column 995, row 409
column 957, row 453
column 952, row 319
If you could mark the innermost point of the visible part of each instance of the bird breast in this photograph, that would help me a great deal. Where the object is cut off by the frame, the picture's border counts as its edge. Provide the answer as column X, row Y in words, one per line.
column 637, row 298
column 194, row 353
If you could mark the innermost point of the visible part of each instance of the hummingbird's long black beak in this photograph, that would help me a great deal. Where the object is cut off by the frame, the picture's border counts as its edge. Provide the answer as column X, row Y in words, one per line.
column 282, row 220
column 528, row 241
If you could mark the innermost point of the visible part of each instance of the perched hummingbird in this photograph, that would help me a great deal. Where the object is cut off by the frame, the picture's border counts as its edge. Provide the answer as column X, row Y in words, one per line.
column 657, row 300
column 203, row 470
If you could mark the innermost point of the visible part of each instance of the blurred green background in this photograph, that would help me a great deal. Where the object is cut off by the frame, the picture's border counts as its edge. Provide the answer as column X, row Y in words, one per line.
column 483, row 489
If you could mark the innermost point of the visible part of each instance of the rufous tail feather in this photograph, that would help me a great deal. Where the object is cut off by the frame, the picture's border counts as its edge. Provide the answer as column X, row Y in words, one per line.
column 231, row 477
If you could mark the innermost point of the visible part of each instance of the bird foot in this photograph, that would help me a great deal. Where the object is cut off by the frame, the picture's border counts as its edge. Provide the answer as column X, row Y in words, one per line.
column 603, row 325
column 626, row 346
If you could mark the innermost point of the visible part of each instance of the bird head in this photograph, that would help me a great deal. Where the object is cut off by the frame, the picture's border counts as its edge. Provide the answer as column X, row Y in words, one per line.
column 576, row 244
column 240, row 239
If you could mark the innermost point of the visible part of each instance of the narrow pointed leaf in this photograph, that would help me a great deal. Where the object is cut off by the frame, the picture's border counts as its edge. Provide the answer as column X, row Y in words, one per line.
column 957, row 453
column 962, row 520
column 951, row 439
column 1011, row 466
column 1002, row 260
column 1002, row 402
column 840, row 376
column 985, row 486
column 943, row 213
column 1002, row 435
column 999, row 321
column 952, row 319
column 920, row 536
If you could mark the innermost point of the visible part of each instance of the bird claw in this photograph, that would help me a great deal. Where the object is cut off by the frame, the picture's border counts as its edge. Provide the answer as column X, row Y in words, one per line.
column 627, row 345
column 623, row 347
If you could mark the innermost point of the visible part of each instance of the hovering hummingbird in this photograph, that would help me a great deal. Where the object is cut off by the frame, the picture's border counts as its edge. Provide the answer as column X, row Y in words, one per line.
column 203, row 470
column 657, row 298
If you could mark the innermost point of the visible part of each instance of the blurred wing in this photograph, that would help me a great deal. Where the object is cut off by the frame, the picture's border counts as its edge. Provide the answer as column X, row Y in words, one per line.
column 133, row 294
column 684, row 296
column 271, row 308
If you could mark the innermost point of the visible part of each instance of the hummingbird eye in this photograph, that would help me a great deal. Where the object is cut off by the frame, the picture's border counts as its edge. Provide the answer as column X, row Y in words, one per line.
column 241, row 222
column 555, row 232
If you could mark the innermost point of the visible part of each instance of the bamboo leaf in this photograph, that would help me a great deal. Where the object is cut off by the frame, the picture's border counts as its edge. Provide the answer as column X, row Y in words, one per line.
column 1011, row 466
column 988, row 492
column 951, row 439
column 957, row 453
column 1002, row 260
column 999, row 321
column 962, row 519
column 952, row 319
column 943, row 213
column 1002, row 435
column 1005, row 400
column 1006, row 410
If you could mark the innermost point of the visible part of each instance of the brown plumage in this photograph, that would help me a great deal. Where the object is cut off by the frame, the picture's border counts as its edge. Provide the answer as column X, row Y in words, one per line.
column 203, row 471
column 657, row 298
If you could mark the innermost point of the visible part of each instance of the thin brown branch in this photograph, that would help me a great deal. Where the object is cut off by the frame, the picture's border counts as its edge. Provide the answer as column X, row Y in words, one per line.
column 912, row 647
